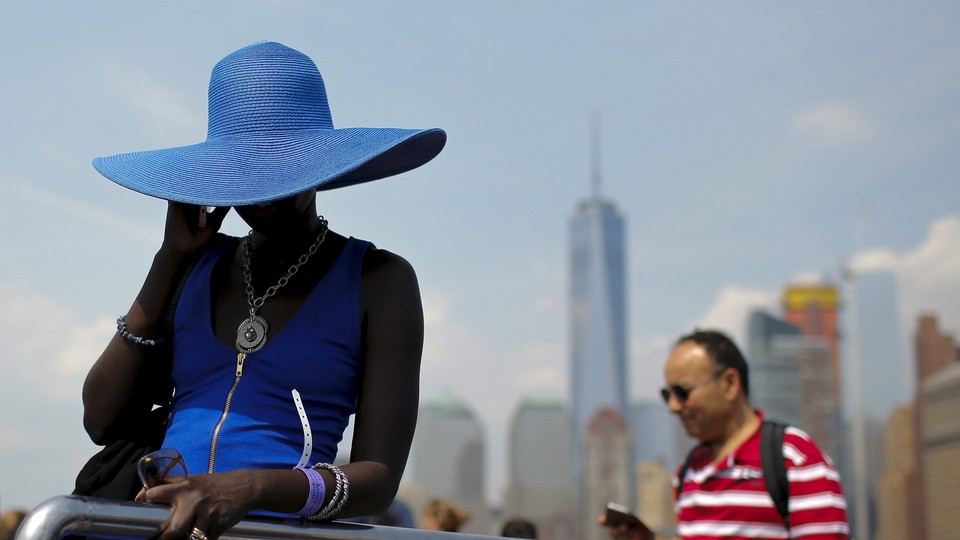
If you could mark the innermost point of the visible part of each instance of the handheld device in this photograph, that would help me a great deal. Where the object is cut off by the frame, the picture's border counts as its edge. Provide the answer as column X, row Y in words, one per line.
column 202, row 218
column 618, row 515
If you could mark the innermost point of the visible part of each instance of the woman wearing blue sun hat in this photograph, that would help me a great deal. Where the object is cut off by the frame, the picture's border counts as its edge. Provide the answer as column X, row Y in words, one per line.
column 280, row 336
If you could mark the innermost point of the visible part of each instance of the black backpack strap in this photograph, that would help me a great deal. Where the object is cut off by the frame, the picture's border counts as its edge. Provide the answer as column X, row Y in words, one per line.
column 683, row 470
column 774, row 467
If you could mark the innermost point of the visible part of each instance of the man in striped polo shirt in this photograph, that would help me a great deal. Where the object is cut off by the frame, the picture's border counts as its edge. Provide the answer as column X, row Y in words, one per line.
column 723, row 493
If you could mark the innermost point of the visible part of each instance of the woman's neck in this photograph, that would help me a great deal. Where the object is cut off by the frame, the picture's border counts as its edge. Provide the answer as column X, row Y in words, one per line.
column 271, row 256
column 290, row 242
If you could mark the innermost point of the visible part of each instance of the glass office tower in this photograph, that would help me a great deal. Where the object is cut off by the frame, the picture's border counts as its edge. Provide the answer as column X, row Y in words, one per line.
column 542, row 487
column 449, row 457
column 598, row 318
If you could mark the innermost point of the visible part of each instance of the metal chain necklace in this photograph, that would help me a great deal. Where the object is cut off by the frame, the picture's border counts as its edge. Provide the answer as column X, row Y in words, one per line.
column 252, row 332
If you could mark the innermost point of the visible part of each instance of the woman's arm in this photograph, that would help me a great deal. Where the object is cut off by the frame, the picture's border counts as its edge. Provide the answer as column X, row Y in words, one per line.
column 121, row 384
column 389, row 394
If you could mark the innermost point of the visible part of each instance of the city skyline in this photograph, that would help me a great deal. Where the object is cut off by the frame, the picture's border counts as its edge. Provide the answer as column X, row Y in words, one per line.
column 746, row 144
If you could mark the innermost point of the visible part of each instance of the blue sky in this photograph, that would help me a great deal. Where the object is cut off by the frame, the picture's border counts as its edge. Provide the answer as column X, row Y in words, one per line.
column 745, row 143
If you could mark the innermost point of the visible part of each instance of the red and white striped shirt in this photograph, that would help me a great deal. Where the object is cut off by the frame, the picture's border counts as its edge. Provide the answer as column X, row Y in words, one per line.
column 730, row 499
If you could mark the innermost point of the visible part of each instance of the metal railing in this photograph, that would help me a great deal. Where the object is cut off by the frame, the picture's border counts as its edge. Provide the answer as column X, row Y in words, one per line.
column 87, row 516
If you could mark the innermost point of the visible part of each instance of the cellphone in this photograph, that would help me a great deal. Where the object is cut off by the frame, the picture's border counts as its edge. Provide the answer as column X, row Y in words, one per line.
column 202, row 219
column 618, row 515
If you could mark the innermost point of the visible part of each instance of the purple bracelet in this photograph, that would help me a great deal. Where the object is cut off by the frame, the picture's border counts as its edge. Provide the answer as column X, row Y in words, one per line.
column 318, row 491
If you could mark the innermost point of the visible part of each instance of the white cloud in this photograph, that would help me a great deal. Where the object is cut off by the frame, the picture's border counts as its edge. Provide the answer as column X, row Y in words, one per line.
column 51, row 351
column 435, row 307
column 30, row 328
column 929, row 275
column 12, row 437
column 82, row 346
column 730, row 310
column 47, row 351
column 546, row 304
column 833, row 125
column 808, row 278
column 874, row 260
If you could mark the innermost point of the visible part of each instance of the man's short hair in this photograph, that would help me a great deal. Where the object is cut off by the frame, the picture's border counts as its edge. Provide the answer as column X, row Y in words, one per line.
column 519, row 528
column 723, row 351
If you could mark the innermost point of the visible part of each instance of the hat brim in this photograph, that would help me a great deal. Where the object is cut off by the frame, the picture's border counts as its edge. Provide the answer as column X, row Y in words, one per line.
column 252, row 168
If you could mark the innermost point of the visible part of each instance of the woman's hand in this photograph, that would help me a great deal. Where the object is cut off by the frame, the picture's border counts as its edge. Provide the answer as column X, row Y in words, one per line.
column 189, row 227
column 210, row 502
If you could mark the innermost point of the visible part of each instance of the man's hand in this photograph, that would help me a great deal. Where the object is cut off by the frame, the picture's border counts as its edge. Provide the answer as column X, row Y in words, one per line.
column 624, row 531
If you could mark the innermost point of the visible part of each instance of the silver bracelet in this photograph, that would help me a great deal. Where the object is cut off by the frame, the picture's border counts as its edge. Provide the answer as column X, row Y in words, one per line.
column 122, row 330
column 340, row 493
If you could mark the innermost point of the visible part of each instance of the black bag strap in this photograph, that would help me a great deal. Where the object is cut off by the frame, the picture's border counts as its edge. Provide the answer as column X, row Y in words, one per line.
column 774, row 467
column 683, row 470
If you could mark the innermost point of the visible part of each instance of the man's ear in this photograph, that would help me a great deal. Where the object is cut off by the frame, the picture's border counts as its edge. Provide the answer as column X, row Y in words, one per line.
column 731, row 384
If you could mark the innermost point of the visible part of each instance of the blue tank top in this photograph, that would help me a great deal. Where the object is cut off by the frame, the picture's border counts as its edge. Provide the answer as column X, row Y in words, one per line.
column 311, row 366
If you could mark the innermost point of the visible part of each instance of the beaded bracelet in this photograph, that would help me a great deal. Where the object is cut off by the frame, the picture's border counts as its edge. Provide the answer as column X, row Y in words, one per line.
column 318, row 491
column 340, row 493
column 122, row 330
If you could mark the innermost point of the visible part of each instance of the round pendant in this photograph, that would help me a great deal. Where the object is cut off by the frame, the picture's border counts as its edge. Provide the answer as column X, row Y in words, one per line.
column 252, row 334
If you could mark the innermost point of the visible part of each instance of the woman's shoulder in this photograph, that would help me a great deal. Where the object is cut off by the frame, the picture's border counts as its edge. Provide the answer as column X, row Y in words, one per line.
column 378, row 262
column 387, row 276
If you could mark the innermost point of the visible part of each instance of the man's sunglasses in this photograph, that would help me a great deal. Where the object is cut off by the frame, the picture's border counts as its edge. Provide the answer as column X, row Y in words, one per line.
column 682, row 392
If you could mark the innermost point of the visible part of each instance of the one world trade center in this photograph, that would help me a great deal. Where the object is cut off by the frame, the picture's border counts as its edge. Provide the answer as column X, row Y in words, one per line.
column 598, row 355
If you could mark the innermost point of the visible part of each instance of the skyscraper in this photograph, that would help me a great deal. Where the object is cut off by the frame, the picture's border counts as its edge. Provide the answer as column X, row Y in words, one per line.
column 608, row 470
column 541, row 484
column 790, row 378
column 934, row 352
column 934, row 349
column 598, row 315
column 814, row 309
column 774, row 371
column 875, row 379
column 448, row 457
column 885, row 374
column 940, row 428
column 655, row 496
column 897, row 489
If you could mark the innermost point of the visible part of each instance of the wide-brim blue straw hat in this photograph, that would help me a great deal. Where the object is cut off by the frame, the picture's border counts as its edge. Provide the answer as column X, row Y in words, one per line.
column 270, row 135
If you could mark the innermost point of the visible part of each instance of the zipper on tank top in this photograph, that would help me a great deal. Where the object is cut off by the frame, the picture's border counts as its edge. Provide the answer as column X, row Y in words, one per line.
column 241, row 357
